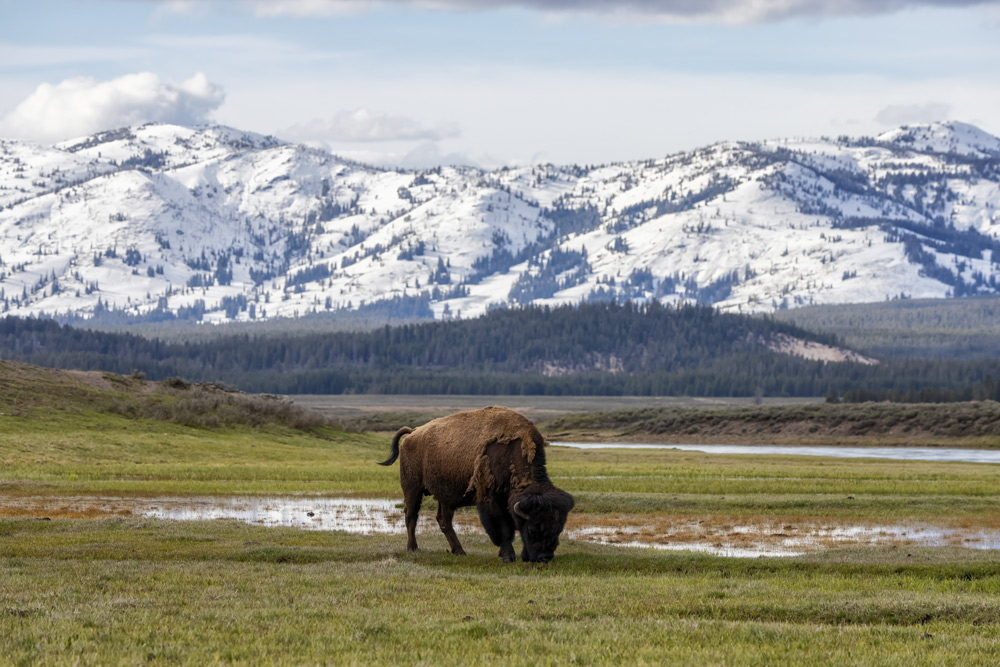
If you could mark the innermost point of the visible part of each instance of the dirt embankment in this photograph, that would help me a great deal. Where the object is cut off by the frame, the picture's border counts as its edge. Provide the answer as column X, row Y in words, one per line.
column 970, row 424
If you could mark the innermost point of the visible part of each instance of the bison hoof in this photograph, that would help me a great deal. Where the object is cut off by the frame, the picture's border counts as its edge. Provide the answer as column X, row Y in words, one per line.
column 459, row 551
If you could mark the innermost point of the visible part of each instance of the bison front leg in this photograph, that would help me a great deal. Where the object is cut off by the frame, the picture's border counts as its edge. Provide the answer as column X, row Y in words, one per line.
column 444, row 516
column 500, row 527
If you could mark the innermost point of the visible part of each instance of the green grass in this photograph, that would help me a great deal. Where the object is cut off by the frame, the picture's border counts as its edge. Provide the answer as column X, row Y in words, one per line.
column 694, row 482
column 61, row 434
column 133, row 590
column 68, row 453
column 126, row 591
column 90, row 453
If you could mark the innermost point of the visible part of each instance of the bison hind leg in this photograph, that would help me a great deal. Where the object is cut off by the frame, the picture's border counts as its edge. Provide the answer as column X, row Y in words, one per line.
column 445, row 514
column 411, row 503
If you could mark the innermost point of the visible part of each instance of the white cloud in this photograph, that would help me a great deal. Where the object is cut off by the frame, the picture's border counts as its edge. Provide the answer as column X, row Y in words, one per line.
column 430, row 155
column 83, row 105
column 181, row 8
column 423, row 156
column 596, row 116
column 904, row 114
column 311, row 7
column 362, row 125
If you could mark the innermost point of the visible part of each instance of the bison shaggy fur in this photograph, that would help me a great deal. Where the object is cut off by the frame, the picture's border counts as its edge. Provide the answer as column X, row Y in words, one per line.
column 493, row 458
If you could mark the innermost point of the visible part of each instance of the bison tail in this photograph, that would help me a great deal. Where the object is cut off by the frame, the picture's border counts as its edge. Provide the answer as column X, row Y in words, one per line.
column 394, row 451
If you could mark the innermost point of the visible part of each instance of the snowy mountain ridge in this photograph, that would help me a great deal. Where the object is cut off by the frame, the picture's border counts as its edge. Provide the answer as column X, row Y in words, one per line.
column 211, row 223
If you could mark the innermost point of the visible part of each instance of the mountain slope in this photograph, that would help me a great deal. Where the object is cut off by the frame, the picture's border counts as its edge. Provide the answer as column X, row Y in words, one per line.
column 161, row 221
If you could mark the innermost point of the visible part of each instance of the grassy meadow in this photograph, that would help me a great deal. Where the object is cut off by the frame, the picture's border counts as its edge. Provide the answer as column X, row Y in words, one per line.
column 128, row 589
column 113, row 591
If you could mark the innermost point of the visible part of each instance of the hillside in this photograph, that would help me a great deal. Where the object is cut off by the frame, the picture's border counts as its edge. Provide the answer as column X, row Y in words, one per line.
column 964, row 329
column 163, row 222
column 593, row 349
column 27, row 390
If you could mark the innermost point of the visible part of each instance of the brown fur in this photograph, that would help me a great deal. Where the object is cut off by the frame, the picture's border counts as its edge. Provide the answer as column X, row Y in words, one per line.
column 483, row 457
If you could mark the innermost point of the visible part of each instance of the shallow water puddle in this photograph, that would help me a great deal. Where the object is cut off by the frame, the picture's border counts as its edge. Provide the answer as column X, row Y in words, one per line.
column 746, row 540
column 352, row 515
column 716, row 535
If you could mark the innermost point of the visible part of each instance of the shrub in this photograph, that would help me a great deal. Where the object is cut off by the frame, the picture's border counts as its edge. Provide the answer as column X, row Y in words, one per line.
column 177, row 383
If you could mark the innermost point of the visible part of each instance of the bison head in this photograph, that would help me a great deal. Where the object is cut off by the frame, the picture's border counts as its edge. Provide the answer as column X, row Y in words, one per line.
column 539, row 515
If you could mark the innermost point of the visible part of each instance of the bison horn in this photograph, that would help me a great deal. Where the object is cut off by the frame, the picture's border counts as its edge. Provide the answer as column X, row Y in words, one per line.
column 517, row 511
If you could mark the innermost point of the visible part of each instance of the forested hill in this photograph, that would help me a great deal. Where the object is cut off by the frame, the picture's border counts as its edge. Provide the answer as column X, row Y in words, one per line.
column 966, row 328
column 603, row 348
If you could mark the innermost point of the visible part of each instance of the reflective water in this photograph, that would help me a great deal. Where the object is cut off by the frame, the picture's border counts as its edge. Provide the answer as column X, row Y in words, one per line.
column 352, row 515
column 763, row 539
column 904, row 453
column 382, row 516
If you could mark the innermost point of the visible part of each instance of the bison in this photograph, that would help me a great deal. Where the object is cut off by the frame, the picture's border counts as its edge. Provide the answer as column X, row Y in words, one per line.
column 493, row 458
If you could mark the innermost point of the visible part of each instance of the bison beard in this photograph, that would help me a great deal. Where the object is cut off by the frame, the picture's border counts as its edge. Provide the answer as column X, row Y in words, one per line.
column 493, row 458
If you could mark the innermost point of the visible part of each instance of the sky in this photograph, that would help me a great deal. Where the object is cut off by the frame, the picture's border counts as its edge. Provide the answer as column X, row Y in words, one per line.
column 417, row 83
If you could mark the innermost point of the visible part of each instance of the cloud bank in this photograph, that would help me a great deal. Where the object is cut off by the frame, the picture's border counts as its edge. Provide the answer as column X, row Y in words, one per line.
column 905, row 114
column 312, row 7
column 362, row 125
column 708, row 11
column 83, row 105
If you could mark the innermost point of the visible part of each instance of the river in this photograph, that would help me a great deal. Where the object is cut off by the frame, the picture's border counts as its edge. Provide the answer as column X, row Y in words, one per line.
column 898, row 453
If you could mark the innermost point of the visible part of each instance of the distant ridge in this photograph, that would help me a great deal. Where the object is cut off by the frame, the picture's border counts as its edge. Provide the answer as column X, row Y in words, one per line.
column 214, row 224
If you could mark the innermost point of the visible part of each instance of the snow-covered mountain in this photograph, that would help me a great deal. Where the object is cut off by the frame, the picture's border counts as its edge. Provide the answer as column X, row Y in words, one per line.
column 213, row 223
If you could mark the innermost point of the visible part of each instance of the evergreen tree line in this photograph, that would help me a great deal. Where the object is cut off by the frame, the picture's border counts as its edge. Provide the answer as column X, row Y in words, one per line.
column 591, row 349
column 959, row 328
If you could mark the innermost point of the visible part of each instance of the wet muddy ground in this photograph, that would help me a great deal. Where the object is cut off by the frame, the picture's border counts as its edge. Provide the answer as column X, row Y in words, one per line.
column 725, row 536
column 752, row 537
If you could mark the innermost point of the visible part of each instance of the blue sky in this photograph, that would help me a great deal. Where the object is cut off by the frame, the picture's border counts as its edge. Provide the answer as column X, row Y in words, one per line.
column 414, row 83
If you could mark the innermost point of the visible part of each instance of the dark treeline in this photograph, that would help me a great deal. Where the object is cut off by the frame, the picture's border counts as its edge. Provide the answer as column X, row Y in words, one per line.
column 960, row 329
column 591, row 349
